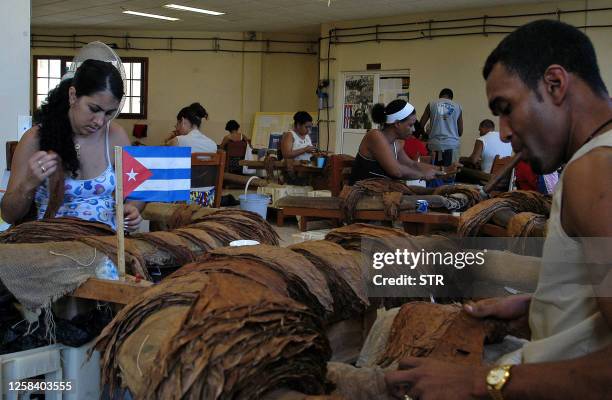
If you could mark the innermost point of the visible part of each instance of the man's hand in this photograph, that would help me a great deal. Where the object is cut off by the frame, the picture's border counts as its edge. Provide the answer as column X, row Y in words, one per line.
column 427, row 379
column 514, row 309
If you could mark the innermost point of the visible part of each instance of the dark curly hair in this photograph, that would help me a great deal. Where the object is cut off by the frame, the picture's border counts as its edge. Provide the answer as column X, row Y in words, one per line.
column 193, row 113
column 232, row 125
column 55, row 132
column 301, row 117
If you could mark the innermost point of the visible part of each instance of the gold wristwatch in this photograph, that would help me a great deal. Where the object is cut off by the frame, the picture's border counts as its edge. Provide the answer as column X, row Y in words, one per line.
column 497, row 379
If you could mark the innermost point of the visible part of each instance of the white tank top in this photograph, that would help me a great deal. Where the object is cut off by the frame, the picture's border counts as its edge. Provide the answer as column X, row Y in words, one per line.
column 299, row 143
column 564, row 316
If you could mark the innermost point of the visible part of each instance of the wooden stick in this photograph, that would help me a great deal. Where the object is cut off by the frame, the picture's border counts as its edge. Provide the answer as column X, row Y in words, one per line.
column 500, row 175
column 119, row 210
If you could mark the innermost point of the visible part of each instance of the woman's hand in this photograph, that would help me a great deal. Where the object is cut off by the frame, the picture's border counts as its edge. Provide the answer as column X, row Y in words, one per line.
column 41, row 165
column 430, row 171
column 171, row 136
column 132, row 217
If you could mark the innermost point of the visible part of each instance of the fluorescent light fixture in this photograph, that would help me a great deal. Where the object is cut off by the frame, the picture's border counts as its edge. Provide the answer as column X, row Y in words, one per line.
column 140, row 14
column 193, row 9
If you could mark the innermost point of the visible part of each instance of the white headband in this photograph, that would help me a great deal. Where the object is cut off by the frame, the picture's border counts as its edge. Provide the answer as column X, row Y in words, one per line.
column 401, row 114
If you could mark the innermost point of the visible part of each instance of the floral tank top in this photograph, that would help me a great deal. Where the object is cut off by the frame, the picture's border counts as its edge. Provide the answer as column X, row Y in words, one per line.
column 88, row 199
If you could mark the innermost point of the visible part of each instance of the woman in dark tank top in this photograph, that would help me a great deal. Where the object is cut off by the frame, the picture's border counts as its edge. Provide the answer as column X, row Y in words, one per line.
column 235, row 145
column 378, row 156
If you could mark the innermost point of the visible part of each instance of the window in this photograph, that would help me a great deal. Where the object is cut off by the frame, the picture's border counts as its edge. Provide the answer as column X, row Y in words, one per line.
column 135, row 104
column 47, row 74
column 48, row 71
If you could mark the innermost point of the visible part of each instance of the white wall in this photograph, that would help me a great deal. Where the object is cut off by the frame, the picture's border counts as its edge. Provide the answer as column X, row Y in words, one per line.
column 15, row 62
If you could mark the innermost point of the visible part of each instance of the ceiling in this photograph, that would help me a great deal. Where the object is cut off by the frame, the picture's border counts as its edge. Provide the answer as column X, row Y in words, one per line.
column 241, row 15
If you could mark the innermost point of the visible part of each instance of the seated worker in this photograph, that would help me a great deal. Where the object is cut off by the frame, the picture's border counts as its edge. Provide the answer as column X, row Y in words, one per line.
column 413, row 145
column 296, row 144
column 378, row 154
column 73, row 135
column 526, row 179
column 187, row 130
column 490, row 144
column 556, row 107
column 235, row 145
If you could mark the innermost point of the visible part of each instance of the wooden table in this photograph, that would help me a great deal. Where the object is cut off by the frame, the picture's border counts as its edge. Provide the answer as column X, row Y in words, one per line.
column 414, row 223
column 298, row 167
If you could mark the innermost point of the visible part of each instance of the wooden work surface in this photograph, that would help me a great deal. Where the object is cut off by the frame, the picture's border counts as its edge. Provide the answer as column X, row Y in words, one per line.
column 120, row 292
column 298, row 167
column 414, row 223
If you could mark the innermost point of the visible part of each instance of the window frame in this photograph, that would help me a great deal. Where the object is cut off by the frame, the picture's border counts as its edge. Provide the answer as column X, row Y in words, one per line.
column 144, row 61
column 144, row 87
column 63, row 61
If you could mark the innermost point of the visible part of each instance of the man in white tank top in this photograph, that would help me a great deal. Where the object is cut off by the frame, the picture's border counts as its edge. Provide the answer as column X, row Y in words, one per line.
column 489, row 145
column 552, row 100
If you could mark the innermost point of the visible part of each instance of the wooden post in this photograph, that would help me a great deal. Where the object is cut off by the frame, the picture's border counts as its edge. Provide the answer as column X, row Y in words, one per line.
column 119, row 210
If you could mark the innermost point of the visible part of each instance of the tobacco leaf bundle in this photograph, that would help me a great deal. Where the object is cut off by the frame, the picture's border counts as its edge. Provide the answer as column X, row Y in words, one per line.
column 305, row 282
column 367, row 187
column 526, row 224
column 351, row 236
column 517, row 201
column 467, row 195
column 54, row 230
column 344, row 275
column 369, row 239
column 213, row 336
column 442, row 332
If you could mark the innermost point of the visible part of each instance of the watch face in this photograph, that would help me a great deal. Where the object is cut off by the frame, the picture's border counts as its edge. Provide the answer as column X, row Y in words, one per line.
column 495, row 376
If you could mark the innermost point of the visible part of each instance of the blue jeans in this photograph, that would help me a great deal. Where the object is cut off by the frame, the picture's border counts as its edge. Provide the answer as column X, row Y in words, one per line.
column 444, row 158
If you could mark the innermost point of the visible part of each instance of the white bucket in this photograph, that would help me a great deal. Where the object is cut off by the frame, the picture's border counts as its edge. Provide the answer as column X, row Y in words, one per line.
column 256, row 203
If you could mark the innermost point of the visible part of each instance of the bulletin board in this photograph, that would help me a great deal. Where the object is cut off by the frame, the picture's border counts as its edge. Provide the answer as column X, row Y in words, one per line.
column 267, row 123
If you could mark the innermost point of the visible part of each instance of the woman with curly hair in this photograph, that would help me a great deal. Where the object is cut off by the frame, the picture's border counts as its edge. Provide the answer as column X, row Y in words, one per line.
column 187, row 130
column 64, row 165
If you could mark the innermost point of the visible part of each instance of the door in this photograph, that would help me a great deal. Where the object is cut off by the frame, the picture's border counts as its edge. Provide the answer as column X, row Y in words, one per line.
column 360, row 91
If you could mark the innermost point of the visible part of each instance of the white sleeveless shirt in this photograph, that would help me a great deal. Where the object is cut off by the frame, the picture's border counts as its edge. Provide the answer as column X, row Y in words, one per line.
column 564, row 315
column 300, row 143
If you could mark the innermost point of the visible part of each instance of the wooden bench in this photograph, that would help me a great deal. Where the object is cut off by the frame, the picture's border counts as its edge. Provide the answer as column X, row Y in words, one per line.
column 120, row 292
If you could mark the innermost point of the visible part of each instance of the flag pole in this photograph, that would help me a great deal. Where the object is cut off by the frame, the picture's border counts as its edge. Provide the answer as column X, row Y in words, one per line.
column 119, row 210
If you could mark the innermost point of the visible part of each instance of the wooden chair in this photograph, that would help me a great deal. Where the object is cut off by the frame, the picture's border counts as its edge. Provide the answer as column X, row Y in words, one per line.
column 498, row 164
column 207, row 169
column 340, row 171
column 10, row 150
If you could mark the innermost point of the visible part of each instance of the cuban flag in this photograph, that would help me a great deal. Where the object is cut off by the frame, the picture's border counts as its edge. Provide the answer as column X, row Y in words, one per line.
column 348, row 113
column 156, row 173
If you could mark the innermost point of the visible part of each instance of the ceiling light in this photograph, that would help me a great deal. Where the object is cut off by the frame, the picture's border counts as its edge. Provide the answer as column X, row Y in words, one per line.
column 193, row 9
column 140, row 14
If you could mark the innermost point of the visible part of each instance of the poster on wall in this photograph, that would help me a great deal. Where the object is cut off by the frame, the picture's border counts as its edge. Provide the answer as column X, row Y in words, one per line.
column 394, row 87
column 358, row 101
